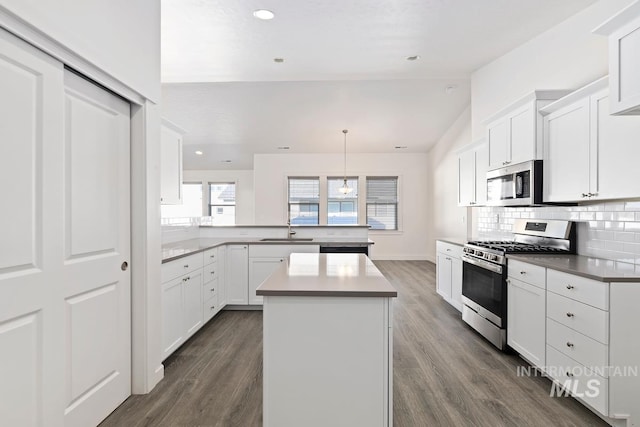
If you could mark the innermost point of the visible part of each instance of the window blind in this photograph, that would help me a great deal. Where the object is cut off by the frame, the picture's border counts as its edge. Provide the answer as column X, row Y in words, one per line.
column 382, row 203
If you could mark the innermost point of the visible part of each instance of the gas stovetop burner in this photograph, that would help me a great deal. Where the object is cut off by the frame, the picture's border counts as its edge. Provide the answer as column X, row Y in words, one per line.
column 513, row 247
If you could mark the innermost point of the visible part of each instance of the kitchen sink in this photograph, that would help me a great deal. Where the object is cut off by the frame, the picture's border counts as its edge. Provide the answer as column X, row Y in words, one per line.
column 291, row 239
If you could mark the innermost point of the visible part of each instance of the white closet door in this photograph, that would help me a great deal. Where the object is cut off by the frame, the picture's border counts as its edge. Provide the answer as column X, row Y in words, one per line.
column 31, row 321
column 97, row 307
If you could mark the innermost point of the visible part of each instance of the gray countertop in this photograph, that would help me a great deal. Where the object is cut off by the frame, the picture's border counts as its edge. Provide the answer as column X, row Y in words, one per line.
column 337, row 275
column 176, row 250
column 601, row 269
column 453, row 240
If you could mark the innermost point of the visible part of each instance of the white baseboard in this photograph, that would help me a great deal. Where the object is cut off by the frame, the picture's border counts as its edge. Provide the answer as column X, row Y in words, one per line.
column 400, row 258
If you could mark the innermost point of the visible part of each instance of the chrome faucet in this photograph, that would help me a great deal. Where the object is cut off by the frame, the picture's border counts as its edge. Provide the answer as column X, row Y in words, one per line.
column 291, row 233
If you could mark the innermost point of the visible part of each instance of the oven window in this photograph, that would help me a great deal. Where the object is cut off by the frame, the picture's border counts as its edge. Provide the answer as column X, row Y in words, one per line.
column 485, row 288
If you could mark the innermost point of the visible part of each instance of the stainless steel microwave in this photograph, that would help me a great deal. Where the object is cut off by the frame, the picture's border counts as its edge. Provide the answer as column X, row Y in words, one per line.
column 515, row 185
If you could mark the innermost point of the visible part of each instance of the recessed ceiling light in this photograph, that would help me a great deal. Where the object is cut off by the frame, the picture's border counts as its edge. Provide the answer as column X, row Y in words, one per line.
column 199, row 153
column 284, row 147
column 278, row 60
column 400, row 147
column 263, row 14
column 413, row 58
column 225, row 161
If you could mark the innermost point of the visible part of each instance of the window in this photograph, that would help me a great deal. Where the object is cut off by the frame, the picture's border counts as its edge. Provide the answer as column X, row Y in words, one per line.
column 222, row 203
column 382, row 203
column 304, row 200
column 342, row 208
column 191, row 203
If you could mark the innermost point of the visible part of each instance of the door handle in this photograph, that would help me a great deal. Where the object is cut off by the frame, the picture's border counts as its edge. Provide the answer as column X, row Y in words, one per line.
column 124, row 266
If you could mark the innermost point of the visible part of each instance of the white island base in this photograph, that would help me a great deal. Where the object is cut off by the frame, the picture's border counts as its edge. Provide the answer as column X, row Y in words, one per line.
column 327, row 350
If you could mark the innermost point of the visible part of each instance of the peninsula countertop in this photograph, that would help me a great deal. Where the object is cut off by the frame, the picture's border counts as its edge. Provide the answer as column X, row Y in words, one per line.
column 604, row 270
column 183, row 248
column 319, row 274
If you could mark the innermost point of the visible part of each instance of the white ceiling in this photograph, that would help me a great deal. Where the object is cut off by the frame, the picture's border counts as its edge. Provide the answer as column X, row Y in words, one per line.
column 344, row 67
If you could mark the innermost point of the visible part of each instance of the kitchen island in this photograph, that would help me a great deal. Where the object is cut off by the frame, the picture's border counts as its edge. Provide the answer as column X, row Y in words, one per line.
column 328, row 342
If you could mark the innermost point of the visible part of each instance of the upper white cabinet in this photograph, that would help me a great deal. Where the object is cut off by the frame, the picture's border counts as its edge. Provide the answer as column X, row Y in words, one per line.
column 170, row 163
column 623, row 31
column 472, row 174
column 586, row 148
column 514, row 134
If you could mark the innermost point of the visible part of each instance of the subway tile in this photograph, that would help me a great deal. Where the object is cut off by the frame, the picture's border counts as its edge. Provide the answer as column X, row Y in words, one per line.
column 595, row 208
column 575, row 216
column 595, row 244
column 632, row 226
column 637, row 216
column 632, row 206
column 625, row 236
column 604, row 216
column 587, row 216
column 614, row 206
column 614, row 225
column 605, row 235
column 624, row 216
column 633, row 248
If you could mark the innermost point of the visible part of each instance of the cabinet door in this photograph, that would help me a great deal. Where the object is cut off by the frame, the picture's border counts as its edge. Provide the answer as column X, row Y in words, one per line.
column 615, row 144
column 259, row 270
column 443, row 276
column 522, row 134
column 172, row 320
column 467, row 178
column 456, row 283
column 624, row 68
column 482, row 165
column 526, row 321
column 566, row 153
column 222, row 276
column 498, row 143
column 237, row 274
column 192, row 307
column 170, row 167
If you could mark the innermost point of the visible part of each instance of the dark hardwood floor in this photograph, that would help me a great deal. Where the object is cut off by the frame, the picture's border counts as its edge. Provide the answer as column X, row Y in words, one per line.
column 444, row 373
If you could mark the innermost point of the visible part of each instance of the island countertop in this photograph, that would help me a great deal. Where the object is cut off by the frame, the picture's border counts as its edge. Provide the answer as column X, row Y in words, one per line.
column 320, row 274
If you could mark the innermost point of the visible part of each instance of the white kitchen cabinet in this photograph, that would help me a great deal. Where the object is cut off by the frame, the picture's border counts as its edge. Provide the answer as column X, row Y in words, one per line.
column 623, row 31
column 449, row 273
column 514, row 134
column 237, row 274
column 259, row 270
column 222, row 276
column 192, row 294
column 472, row 174
column 172, row 317
column 586, row 148
column 170, row 163
column 526, row 314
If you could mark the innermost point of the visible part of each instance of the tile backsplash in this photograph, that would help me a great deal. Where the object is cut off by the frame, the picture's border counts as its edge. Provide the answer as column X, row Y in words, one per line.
column 608, row 230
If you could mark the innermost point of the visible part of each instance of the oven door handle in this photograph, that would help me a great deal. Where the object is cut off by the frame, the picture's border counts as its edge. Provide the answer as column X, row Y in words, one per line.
column 483, row 264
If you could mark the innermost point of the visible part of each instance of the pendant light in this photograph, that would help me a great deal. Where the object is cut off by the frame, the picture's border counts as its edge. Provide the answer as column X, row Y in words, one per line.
column 345, row 189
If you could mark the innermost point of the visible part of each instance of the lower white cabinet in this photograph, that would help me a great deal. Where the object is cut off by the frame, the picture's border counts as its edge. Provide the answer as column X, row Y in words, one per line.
column 449, row 273
column 526, row 320
column 173, row 334
column 259, row 270
column 192, row 307
column 237, row 274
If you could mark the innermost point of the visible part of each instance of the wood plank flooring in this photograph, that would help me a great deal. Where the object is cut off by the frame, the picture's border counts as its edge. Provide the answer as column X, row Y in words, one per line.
column 444, row 373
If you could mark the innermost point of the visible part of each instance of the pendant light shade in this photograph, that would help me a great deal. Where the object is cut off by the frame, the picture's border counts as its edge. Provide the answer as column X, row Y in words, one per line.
column 345, row 189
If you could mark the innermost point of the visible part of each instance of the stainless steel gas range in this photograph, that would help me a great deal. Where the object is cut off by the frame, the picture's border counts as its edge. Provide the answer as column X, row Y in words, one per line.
column 484, row 272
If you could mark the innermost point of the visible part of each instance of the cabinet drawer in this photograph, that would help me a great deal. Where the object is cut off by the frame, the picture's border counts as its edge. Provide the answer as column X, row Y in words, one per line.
column 280, row 251
column 579, row 347
column 210, row 307
column 210, row 288
column 173, row 269
column 210, row 255
column 449, row 249
column 532, row 274
column 588, row 386
column 578, row 288
column 583, row 318
column 210, row 272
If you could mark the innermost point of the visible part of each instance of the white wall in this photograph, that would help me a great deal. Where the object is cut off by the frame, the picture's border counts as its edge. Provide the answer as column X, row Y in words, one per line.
column 567, row 56
column 121, row 37
column 447, row 219
column 244, row 188
column 270, row 184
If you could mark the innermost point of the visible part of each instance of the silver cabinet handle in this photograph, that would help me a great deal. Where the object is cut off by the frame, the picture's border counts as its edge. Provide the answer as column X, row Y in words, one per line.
column 186, row 266
column 213, row 307
column 585, row 195
column 448, row 250
column 570, row 287
column 212, row 272
column 569, row 344
column 213, row 289
column 523, row 272
column 186, row 278
column 570, row 314
column 569, row 374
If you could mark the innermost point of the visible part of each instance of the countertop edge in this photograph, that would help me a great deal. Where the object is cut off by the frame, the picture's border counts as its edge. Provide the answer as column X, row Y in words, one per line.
column 452, row 241
column 301, row 293
column 541, row 263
